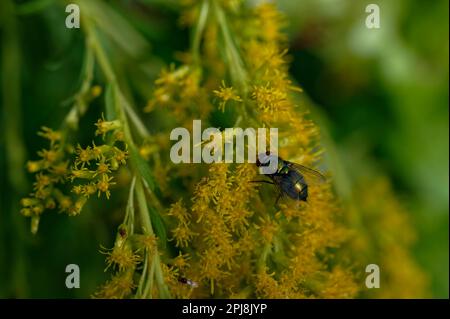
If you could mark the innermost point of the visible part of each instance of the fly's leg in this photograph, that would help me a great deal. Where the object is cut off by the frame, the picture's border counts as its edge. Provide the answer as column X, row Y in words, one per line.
column 267, row 182
column 280, row 195
column 278, row 198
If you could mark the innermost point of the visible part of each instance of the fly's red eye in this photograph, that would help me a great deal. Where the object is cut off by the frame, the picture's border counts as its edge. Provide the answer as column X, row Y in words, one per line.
column 122, row 232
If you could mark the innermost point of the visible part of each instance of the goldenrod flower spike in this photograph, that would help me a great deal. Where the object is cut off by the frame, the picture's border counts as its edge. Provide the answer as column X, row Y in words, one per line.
column 86, row 168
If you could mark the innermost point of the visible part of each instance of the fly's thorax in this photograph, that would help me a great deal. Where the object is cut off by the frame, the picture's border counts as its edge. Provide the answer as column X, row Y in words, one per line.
column 282, row 167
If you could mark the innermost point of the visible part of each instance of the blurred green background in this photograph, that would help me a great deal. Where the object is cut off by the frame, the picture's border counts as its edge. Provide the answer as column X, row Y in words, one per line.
column 380, row 94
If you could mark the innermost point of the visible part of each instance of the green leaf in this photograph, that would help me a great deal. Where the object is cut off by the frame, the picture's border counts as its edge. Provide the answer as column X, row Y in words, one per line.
column 144, row 170
column 158, row 226
column 116, row 27
column 110, row 102
column 32, row 7
column 142, row 167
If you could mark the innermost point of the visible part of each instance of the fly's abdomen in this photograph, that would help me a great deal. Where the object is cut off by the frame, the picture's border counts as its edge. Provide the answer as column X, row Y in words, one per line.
column 293, row 185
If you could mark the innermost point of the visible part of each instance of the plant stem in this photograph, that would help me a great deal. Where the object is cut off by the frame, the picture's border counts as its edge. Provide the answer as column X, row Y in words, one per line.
column 129, row 215
column 238, row 72
column 139, row 293
column 80, row 106
column 121, row 106
column 148, row 229
column 198, row 31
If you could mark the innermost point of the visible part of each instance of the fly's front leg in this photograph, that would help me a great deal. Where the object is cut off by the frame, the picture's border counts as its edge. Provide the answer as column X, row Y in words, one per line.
column 280, row 195
column 267, row 182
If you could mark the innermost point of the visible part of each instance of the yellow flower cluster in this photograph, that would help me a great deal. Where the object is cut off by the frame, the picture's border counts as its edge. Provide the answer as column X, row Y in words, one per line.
column 106, row 158
column 182, row 233
column 131, row 254
column 278, row 253
column 119, row 286
column 179, row 90
column 312, row 228
column 215, row 229
column 88, row 173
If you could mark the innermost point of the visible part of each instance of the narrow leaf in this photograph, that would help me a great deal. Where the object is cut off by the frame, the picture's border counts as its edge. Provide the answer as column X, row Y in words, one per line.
column 110, row 105
column 158, row 226
column 142, row 167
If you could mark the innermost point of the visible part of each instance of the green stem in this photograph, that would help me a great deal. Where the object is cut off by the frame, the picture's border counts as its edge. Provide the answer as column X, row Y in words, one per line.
column 149, row 286
column 198, row 31
column 238, row 72
column 139, row 293
column 143, row 209
column 129, row 215
column 140, row 127
column 148, row 229
column 80, row 106
column 94, row 43
column 32, row 7
column 263, row 257
column 108, row 71
column 121, row 105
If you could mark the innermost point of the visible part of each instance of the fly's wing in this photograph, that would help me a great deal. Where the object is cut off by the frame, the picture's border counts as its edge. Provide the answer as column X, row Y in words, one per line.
column 312, row 177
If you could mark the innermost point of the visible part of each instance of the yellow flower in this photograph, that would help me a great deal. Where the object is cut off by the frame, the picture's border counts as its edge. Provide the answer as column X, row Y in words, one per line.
column 102, row 168
column 89, row 189
column 148, row 242
column 270, row 99
column 269, row 22
column 121, row 257
column 77, row 206
column 181, row 261
column 96, row 91
column 65, row 203
column 120, row 156
column 226, row 94
column 268, row 287
column 82, row 173
column 52, row 136
column 178, row 211
column 182, row 235
column 60, row 169
column 104, row 127
column 268, row 229
column 103, row 185
column 84, row 155
column 35, row 166
column 42, row 181
column 120, row 286
column 49, row 156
